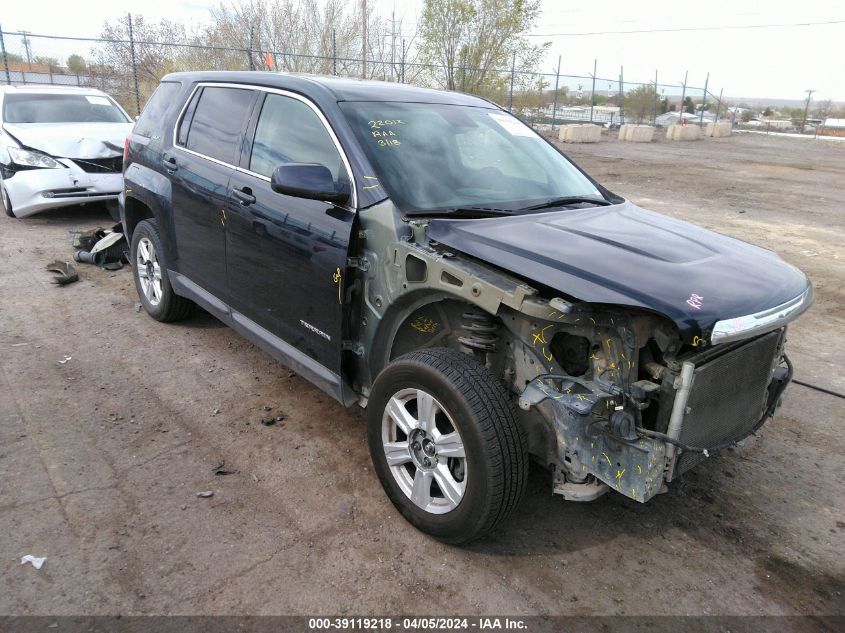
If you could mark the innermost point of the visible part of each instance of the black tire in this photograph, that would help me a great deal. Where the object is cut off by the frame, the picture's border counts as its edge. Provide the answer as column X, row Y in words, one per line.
column 496, row 455
column 170, row 307
column 7, row 203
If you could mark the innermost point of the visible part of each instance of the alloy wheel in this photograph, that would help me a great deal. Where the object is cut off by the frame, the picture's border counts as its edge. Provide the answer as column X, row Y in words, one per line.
column 424, row 451
column 148, row 269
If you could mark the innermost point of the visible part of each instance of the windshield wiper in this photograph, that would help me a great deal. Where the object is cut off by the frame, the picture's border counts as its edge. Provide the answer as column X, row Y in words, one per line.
column 566, row 200
column 466, row 212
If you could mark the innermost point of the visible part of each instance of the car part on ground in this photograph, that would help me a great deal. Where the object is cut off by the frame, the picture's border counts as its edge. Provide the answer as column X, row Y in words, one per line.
column 103, row 248
column 65, row 272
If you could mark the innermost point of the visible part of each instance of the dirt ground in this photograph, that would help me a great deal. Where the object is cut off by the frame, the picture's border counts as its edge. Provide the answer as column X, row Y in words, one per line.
column 101, row 457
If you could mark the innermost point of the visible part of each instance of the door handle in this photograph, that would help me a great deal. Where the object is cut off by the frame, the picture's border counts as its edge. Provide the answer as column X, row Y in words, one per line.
column 244, row 195
column 170, row 164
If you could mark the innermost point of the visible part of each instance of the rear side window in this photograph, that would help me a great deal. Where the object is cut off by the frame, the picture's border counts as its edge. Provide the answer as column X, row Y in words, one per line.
column 153, row 113
column 219, row 121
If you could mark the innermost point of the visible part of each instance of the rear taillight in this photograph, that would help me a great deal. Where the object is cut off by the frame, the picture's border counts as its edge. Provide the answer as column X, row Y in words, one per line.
column 126, row 148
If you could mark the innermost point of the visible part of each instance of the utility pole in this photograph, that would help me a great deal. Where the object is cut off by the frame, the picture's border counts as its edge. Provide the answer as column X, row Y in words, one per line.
column 392, row 46
column 134, row 66
column 621, row 95
column 683, row 98
column 364, row 39
column 513, row 75
column 656, row 98
column 554, row 101
column 5, row 58
column 593, row 91
column 27, row 48
column 806, row 108
column 334, row 52
column 704, row 102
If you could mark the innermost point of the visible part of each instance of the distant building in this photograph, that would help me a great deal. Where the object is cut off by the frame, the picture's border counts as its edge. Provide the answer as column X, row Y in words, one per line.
column 673, row 118
column 832, row 127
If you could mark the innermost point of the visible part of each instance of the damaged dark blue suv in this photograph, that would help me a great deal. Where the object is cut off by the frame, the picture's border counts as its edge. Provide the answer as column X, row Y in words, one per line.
column 428, row 256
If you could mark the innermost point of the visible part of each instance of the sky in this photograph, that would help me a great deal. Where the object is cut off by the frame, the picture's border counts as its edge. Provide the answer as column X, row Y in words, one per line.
column 776, row 61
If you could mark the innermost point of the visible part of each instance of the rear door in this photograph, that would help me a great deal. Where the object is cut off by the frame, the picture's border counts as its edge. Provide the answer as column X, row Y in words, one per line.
column 286, row 256
column 208, row 145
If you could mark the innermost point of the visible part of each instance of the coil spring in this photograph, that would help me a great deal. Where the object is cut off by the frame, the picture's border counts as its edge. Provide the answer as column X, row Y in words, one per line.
column 480, row 329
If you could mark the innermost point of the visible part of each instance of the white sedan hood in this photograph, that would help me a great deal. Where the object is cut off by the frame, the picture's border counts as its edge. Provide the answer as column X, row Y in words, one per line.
column 72, row 140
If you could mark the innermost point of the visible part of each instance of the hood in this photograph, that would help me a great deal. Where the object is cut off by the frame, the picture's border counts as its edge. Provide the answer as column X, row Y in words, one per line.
column 625, row 255
column 72, row 140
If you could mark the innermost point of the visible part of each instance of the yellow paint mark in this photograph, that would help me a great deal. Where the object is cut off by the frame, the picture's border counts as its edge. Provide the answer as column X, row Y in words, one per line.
column 633, row 493
column 607, row 458
column 370, row 177
column 128, row 190
column 619, row 474
column 337, row 277
column 639, row 469
column 372, row 186
column 425, row 325
column 594, row 458
column 593, row 320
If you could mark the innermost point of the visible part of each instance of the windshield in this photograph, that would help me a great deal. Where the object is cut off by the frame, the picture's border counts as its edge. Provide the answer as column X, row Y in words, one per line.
column 432, row 157
column 61, row 108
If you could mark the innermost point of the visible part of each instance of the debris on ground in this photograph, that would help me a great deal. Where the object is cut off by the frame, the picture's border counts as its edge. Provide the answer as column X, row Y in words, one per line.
column 215, row 411
column 36, row 562
column 105, row 248
column 267, row 407
column 272, row 421
column 220, row 469
column 206, row 494
column 137, row 307
column 65, row 360
column 66, row 273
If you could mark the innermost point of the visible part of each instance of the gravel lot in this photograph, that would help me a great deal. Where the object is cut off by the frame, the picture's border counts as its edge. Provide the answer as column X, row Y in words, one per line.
column 101, row 458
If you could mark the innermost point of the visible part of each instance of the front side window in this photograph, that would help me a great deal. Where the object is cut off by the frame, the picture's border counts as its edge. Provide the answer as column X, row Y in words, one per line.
column 435, row 156
column 61, row 108
column 219, row 121
column 289, row 131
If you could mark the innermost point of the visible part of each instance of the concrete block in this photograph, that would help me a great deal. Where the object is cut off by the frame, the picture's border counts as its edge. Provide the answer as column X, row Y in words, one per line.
column 718, row 130
column 640, row 134
column 580, row 133
column 683, row 133
column 623, row 131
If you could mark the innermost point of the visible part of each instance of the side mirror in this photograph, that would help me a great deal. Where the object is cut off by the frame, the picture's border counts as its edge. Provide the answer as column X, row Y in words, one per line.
column 308, row 180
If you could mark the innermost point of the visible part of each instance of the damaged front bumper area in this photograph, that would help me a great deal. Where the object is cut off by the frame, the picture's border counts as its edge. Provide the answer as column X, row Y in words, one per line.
column 702, row 402
column 34, row 190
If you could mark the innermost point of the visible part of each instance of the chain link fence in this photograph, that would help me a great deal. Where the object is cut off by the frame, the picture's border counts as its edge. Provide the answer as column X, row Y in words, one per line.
column 129, row 69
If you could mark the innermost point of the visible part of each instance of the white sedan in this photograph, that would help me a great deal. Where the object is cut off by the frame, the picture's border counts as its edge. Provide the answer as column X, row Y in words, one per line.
column 59, row 147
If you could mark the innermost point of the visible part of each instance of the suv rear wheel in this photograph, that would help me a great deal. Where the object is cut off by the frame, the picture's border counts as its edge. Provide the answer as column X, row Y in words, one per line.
column 445, row 444
column 150, row 273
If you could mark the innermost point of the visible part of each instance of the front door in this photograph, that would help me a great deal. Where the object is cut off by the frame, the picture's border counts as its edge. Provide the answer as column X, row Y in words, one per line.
column 286, row 256
column 208, row 145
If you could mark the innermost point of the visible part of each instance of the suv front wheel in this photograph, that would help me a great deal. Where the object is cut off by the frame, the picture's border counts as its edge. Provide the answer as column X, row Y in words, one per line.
column 150, row 273
column 445, row 444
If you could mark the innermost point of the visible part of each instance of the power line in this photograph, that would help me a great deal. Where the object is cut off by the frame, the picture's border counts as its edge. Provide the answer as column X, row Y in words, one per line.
column 690, row 28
